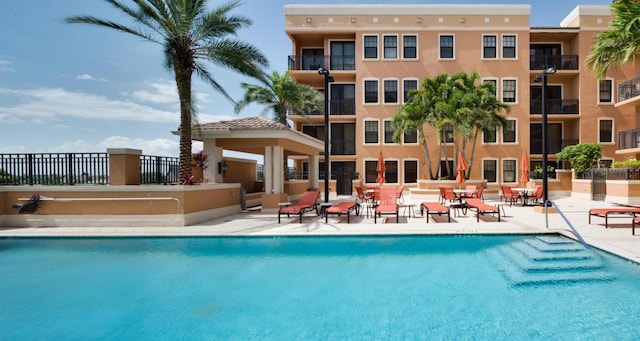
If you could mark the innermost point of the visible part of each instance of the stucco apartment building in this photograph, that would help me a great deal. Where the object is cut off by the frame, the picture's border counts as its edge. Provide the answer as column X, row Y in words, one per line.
column 375, row 54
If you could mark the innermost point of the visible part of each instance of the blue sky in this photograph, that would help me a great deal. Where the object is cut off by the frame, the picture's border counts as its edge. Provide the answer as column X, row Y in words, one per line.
column 77, row 88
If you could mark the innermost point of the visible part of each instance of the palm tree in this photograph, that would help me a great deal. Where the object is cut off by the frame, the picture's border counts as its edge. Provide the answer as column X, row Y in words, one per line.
column 190, row 35
column 282, row 95
column 621, row 43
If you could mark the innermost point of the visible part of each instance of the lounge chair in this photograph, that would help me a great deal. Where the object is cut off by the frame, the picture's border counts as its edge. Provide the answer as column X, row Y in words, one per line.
column 345, row 207
column 434, row 208
column 606, row 212
column 388, row 203
column 308, row 202
column 636, row 220
column 481, row 208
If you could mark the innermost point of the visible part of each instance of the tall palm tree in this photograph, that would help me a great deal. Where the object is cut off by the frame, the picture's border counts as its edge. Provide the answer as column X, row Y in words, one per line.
column 281, row 95
column 621, row 43
column 190, row 35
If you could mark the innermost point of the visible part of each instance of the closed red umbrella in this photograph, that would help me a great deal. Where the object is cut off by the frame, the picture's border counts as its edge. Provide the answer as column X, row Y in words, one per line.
column 461, row 168
column 381, row 168
column 524, row 167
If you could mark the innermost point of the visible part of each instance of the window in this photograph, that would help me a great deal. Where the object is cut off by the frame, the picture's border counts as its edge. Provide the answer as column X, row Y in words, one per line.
column 409, row 47
column 343, row 99
column 605, row 127
column 494, row 82
column 491, row 135
column 509, row 132
column 343, row 139
column 489, row 47
column 407, row 86
column 343, row 55
column 605, row 163
column 370, row 172
column 508, row 46
column 388, row 132
column 391, row 171
column 490, row 170
column 371, row 132
column 605, row 91
column 447, row 133
column 446, row 47
column 410, row 171
column 410, row 136
column 391, row 91
column 370, row 47
column 371, row 91
column 509, row 91
column 509, row 170
column 315, row 131
column 390, row 47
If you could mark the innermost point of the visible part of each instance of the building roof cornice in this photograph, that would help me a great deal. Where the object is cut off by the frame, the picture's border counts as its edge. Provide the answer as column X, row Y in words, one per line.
column 420, row 9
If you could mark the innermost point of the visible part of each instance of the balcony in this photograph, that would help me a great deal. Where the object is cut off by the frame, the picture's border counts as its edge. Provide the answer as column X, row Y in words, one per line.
column 343, row 147
column 553, row 145
column 314, row 62
column 560, row 62
column 555, row 106
column 629, row 89
column 628, row 139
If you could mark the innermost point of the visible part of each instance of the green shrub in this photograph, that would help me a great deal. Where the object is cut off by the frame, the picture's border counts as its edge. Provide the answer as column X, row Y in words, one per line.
column 632, row 164
column 582, row 157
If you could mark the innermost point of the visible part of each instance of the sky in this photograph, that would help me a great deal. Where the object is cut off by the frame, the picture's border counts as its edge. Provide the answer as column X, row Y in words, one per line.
column 80, row 88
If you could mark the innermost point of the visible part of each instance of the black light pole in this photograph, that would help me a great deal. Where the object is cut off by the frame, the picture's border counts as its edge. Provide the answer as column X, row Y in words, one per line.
column 543, row 77
column 327, row 79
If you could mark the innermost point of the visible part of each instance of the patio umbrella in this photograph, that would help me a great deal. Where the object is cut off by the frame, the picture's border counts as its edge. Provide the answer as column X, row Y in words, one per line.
column 381, row 168
column 462, row 166
column 524, row 167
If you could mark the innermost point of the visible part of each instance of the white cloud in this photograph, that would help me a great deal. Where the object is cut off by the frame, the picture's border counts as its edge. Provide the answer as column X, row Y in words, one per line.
column 49, row 104
column 4, row 66
column 88, row 77
column 164, row 92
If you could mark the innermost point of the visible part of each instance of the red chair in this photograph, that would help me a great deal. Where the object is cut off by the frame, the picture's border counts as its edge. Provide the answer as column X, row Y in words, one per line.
column 362, row 196
column 471, row 191
column 480, row 192
column 399, row 196
column 388, row 202
column 509, row 195
column 536, row 198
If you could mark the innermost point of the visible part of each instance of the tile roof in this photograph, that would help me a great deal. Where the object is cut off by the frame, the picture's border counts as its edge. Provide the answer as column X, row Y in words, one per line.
column 247, row 123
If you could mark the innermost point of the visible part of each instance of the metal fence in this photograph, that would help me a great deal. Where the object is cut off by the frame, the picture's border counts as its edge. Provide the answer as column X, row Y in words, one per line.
column 78, row 168
column 612, row 174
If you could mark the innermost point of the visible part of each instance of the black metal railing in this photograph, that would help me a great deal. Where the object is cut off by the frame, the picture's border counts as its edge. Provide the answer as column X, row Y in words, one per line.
column 79, row 168
column 553, row 145
column 611, row 173
column 314, row 62
column 628, row 139
column 560, row 62
column 159, row 169
column 343, row 147
column 54, row 168
column 629, row 89
column 555, row 106
column 342, row 106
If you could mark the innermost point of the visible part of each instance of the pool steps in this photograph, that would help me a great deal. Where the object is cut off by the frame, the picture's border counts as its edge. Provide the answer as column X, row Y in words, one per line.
column 547, row 260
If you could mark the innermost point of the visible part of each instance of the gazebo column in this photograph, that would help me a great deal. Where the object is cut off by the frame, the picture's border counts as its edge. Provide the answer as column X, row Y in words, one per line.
column 273, row 184
column 314, row 171
column 214, row 155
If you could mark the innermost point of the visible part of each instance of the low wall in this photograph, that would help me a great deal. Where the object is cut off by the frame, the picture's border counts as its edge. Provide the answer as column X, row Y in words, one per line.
column 126, row 206
column 623, row 192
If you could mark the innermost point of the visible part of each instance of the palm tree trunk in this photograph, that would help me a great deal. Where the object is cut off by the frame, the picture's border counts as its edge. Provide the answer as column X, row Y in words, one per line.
column 183, row 81
column 427, row 157
column 473, row 152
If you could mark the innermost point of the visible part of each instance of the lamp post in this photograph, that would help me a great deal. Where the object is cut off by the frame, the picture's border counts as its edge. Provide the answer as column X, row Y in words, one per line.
column 327, row 79
column 543, row 77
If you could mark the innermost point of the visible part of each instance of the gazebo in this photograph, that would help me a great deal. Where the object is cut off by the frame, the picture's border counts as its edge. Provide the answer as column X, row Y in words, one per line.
column 262, row 136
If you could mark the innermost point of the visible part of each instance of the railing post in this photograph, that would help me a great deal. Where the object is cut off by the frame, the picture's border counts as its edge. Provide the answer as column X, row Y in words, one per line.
column 30, row 169
column 70, row 172
column 159, row 171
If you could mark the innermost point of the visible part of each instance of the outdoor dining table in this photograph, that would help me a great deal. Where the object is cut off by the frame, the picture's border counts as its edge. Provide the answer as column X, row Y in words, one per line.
column 524, row 193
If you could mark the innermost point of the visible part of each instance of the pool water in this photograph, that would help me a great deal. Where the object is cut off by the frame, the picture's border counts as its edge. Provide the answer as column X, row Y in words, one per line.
column 319, row 288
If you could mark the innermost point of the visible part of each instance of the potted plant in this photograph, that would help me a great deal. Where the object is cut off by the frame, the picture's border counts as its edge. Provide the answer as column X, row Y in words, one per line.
column 199, row 164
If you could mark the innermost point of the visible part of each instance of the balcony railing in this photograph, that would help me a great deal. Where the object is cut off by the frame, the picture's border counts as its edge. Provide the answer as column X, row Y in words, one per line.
column 334, row 63
column 560, row 62
column 628, row 139
column 555, row 106
column 629, row 89
column 342, row 107
column 343, row 147
column 553, row 145
column 78, row 168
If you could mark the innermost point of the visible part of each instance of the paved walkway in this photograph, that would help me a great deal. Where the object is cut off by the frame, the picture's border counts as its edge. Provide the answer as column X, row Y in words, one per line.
column 616, row 239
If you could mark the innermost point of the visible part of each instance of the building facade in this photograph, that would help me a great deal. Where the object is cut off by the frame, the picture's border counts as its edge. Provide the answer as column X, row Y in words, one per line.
column 376, row 54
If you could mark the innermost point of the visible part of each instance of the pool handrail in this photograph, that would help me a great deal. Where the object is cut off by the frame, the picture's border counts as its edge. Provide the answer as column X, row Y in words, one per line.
column 573, row 229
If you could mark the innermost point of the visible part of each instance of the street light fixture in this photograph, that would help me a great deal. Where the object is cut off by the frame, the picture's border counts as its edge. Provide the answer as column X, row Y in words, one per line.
column 543, row 77
column 327, row 79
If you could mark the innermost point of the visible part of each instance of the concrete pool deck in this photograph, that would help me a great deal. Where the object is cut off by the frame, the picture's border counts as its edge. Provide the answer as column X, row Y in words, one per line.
column 616, row 239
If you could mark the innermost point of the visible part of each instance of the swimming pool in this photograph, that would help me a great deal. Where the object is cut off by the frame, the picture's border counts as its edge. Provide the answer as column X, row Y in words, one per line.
column 320, row 288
